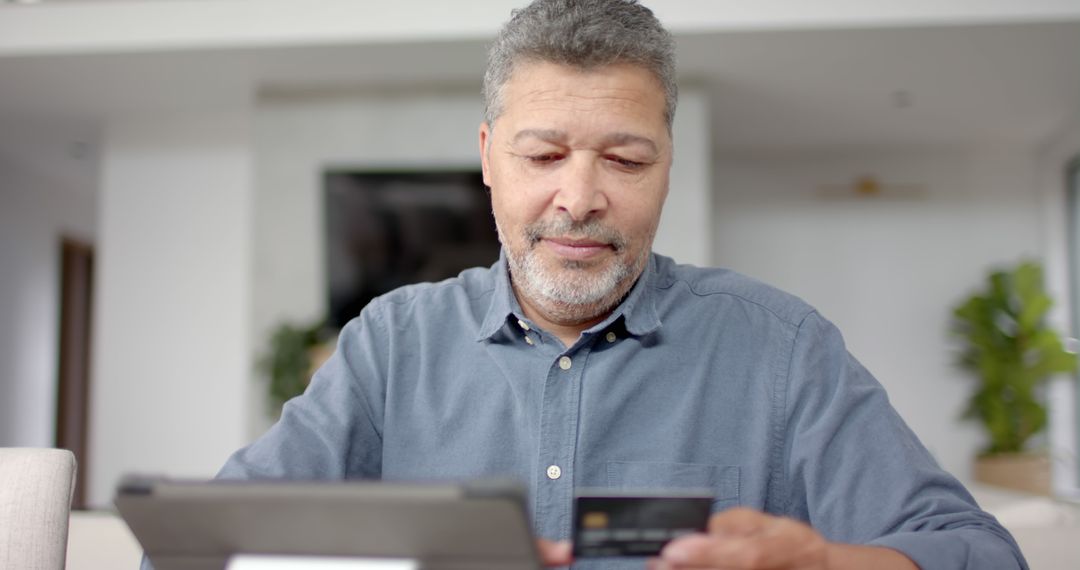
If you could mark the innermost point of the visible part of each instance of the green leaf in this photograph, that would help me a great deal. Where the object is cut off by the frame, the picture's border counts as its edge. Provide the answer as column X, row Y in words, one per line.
column 1032, row 311
column 1011, row 352
column 287, row 362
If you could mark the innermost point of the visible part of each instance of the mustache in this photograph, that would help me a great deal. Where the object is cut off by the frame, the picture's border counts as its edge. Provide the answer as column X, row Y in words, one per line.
column 563, row 226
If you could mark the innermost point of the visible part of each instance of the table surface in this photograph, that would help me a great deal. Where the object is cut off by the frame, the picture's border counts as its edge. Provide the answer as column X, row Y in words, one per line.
column 1047, row 530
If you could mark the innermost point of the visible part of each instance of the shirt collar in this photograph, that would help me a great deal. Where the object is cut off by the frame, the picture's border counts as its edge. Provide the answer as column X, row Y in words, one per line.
column 638, row 309
column 503, row 302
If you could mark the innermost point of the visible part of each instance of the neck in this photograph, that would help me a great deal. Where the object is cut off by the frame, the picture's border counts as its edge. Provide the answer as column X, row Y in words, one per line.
column 566, row 331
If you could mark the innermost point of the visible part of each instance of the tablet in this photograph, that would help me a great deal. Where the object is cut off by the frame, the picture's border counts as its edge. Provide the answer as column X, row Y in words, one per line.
column 199, row 525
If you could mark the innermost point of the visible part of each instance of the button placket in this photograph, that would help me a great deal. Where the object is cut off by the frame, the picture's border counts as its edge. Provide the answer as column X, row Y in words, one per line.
column 559, row 427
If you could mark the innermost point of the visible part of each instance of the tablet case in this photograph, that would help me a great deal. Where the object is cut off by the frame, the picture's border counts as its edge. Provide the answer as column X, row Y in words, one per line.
column 197, row 525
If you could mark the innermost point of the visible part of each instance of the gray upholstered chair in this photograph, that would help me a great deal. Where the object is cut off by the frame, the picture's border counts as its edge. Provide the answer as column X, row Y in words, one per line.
column 35, row 501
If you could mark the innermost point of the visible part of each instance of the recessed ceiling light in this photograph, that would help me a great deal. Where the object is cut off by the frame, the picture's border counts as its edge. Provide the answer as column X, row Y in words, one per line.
column 902, row 99
column 78, row 150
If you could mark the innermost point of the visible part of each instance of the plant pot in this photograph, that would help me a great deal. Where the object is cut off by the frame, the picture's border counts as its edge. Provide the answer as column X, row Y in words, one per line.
column 318, row 355
column 1028, row 472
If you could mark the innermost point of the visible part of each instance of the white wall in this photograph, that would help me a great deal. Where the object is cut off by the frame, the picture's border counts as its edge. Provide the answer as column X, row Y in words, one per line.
column 298, row 137
column 685, row 226
column 45, row 193
column 887, row 271
column 171, row 350
column 1052, row 161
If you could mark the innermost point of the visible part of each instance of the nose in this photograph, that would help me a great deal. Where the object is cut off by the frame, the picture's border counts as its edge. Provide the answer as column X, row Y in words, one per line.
column 580, row 193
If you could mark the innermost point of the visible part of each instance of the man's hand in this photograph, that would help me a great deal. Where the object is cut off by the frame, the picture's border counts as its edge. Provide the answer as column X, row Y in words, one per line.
column 554, row 553
column 746, row 539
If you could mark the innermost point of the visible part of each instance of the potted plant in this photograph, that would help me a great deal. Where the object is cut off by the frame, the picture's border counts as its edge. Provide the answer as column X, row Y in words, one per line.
column 295, row 352
column 1012, row 352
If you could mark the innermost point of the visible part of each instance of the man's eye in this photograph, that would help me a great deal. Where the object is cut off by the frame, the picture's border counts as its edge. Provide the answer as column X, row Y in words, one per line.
column 626, row 163
column 543, row 158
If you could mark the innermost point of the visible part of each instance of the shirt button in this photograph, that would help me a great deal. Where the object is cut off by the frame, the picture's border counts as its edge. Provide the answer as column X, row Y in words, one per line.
column 553, row 472
column 524, row 325
column 529, row 341
column 610, row 336
column 565, row 363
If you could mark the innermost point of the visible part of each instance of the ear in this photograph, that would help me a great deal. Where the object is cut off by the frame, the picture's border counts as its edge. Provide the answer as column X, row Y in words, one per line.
column 485, row 139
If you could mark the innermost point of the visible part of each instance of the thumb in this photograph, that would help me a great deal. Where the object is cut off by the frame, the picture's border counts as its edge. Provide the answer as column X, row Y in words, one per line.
column 554, row 553
column 690, row 550
column 739, row 521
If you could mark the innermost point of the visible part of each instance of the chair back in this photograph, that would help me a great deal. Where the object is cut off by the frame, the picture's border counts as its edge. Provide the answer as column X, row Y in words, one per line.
column 35, row 502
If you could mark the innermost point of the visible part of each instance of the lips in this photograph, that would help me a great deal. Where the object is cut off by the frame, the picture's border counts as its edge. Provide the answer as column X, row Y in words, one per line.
column 576, row 248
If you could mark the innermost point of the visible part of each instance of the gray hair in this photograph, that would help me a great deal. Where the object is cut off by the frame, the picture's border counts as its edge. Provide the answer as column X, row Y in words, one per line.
column 585, row 34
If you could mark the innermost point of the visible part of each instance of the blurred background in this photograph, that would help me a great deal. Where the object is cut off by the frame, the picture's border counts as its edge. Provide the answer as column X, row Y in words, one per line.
column 168, row 171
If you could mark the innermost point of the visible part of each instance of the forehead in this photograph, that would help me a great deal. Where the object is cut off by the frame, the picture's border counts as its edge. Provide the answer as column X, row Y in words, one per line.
column 622, row 93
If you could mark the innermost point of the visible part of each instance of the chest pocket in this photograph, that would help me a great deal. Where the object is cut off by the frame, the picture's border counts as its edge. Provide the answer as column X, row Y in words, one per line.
column 722, row 481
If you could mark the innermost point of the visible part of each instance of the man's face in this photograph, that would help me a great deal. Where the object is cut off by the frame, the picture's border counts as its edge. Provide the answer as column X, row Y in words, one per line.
column 578, row 166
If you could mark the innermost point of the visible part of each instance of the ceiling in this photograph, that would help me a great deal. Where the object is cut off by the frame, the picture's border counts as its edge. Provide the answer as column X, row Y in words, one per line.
column 999, row 84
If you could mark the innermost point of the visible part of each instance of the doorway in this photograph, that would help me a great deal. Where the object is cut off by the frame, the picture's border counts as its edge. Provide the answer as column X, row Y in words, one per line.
column 73, row 391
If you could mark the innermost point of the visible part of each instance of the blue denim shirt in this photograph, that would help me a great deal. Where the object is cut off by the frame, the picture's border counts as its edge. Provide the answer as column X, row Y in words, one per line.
column 700, row 378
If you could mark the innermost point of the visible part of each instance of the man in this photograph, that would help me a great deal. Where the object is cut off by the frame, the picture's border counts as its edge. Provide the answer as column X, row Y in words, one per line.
column 581, row 359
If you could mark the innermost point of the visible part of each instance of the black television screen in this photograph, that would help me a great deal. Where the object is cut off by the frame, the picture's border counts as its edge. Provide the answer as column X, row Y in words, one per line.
column 386, row 229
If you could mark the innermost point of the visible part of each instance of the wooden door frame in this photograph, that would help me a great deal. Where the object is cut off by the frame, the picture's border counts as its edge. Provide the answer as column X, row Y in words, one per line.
column 73, row 382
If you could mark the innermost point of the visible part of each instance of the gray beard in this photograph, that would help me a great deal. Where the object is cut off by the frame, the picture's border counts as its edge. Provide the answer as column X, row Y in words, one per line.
column 571, row 295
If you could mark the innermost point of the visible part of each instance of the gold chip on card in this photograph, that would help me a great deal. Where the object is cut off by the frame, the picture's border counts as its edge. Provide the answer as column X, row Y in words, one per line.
column 595, row 520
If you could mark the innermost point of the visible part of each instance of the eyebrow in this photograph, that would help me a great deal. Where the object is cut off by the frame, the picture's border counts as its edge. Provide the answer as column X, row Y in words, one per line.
column 613, row 139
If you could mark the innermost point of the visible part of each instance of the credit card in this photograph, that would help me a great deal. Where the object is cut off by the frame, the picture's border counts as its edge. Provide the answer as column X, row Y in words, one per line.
column 635, row 524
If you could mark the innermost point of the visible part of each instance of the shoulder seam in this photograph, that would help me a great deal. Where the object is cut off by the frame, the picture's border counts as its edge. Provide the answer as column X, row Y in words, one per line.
column 770, row 310
column 417, row 287
column 780, row 452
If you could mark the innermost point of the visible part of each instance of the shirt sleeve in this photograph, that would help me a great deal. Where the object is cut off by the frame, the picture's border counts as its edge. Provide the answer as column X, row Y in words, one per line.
column 858, row 474
column 333, row 430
